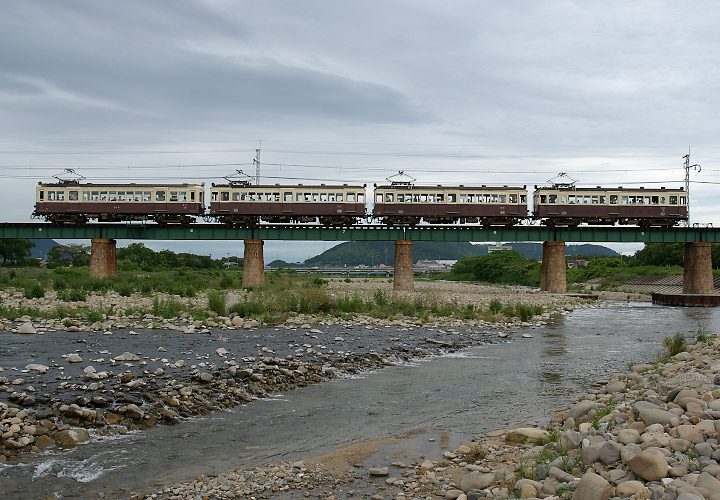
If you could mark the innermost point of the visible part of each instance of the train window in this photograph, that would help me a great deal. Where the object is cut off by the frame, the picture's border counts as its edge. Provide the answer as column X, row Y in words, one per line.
column 298, row 197
column 361, row 198
column 61, row 195
column 543, row 198
column 104, row 196
column 51, row 195
column 471, row 198
column 112, row 195
column 339, row 197
column 351, row 198
column 431, row 198
column 552, row 198
column 563, row 199
column 192, row 195
column 502, row 198
column 287, row 196
column 323, row 197
column 121, row 196
column 523, row 198
column 571, row 199
column 682, row 200
column 655, row 200
column 452, row 198
column 315, row 196
column 235, row 196
column 624, row 200
column 224, row 195
column 213, row 196
column 159, row 195
column 440, row 198
column 378, row 198
column 424, row 198
column 603, row 199
column 147, row 196
column 586, row 200
column 94, row 195
column 73, row 195
column 673, row 200
column 463, row 198
column 276, row 196
column 182, row 196
column 647, row 200
column 662, row 200
column 513, row 198
column 174, row 196
column 308, row 197
column 331, row 197
column 41, row 195
column 86, row 196
column 613, row 199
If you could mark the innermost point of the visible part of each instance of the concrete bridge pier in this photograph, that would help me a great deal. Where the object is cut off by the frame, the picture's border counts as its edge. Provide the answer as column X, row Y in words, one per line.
column 103, row 261
column 403, row 281
column 553, row 278
column 697, row 264
column 253, row 263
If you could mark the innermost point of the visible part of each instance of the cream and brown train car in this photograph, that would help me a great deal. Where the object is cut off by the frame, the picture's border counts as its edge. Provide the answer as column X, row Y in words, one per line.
column 246, row 205
column 570, row 206
column 489, row 206
column 75, row 203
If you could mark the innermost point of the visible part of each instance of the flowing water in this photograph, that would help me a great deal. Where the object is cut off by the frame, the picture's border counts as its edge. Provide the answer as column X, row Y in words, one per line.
column 477, row 390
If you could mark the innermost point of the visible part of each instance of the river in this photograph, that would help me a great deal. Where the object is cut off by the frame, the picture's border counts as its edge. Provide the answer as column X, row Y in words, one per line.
column 454, row 396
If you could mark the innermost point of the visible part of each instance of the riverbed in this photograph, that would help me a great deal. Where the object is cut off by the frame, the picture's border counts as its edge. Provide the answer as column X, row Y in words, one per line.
column 445, row 398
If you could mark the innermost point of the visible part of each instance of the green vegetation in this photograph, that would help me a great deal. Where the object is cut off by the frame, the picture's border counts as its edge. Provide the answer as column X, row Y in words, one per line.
column 506, row 267
column 672, row 346
column 15, row 251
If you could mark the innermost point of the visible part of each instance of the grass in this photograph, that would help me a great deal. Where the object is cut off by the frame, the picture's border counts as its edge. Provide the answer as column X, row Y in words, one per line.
column 673, row 345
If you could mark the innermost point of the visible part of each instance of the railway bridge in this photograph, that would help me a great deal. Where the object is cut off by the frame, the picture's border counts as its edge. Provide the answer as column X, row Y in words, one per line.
column 697, row 277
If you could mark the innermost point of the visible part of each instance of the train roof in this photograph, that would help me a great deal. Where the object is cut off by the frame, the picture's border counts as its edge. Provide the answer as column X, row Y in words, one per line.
column 461, row 186
column 601, row 188
column 292, row 186
column 131, row 185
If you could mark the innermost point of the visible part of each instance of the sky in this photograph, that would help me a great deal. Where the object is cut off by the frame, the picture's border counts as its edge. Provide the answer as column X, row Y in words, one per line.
column 611, row 93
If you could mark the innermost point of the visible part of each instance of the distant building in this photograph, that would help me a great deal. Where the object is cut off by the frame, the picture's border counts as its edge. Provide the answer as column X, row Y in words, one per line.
column 576, row 263
column 434, row 265
column 499, row 247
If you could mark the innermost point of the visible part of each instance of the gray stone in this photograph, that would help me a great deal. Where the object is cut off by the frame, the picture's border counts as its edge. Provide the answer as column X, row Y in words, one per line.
column 528, row 435
column 37, row 367
column 657, row 416
column 570, row 440
column 74, row 358
column 70, row 437
column 379, row 471
column 709, row 482
column 581, row 409
column 476, row 480
column 592, row 487
column 609, row 453
column 126, row 356
column 704, row 449
column 629, row 488
column 26, row 328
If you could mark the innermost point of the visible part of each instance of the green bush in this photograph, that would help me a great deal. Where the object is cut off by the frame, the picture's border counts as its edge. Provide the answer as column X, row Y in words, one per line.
column 34, row 291
column 495, row 306
column 675, row 344
column 216, row 301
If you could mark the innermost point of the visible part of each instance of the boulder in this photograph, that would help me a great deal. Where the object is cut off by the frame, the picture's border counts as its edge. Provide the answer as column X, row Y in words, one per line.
column 26, row 328
column 581, row 409
column 592, row 487
column 650, row 465
column 630, row 488
column 528, row 435
column 70, row 437
column 709, row 482
column 657, row 416
column 126, row 356
column 476, row 480
column 37, row 367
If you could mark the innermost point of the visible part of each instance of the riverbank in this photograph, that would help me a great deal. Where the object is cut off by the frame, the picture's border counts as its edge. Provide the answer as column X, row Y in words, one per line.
column 60, row 378
column 650, row 432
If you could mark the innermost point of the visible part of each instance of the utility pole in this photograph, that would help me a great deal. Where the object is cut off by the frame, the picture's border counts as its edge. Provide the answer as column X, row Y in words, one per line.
column 256, row 162
column 687, row 167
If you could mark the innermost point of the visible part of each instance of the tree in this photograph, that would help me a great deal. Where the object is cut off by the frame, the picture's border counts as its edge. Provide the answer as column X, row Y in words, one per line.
column 507, row 266
column 14, row 250
column 660, row 254
column 74, row 255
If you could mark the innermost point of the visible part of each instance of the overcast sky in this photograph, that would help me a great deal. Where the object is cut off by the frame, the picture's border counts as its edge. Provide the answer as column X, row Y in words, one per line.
column 612, row 93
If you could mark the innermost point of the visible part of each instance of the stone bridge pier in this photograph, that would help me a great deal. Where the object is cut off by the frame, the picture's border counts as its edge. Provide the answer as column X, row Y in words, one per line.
column 253, row 263
column 697, row 269
column 403, row 280
column 103, row 261
column 553, row 278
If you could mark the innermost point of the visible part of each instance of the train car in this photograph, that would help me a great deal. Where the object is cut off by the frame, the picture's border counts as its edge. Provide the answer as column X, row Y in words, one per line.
column 71, row 202
column 407, row 204
column 570, row 206
column 244, row 204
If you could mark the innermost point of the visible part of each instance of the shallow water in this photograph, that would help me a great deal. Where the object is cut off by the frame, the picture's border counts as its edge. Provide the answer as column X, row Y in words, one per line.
column 460, row 394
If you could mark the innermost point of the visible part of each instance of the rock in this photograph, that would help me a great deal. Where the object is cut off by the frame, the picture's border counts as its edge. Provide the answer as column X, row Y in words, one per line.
column 74, row 358
column 708, row 482
column 476, row 480
column 70, row 437
column 581, row 409
column 237, row 322
column 630, row 488
column 43, row 442
column 609, row 453
column 627, row 436
column 126, row 356
column 133, row 411
column 528, row 435
column 379, row 471
column 592, row 487
column 570, row 439
column 26, row 328
column 615, row 387
column 650, row 465
column 657, row 416
column 37, row 367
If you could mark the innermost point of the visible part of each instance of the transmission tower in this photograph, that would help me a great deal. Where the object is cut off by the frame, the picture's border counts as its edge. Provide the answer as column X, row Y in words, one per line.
column 687, row 167
column 256, row 162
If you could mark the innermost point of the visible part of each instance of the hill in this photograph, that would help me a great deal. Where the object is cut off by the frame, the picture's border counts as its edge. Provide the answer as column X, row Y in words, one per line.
column 41, row 248
column 373, row 253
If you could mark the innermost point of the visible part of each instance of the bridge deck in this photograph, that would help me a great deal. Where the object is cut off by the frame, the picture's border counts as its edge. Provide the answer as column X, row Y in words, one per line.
column 137, row 231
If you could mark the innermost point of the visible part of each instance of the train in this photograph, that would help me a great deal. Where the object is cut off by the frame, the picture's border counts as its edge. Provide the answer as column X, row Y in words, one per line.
column 241, row 204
